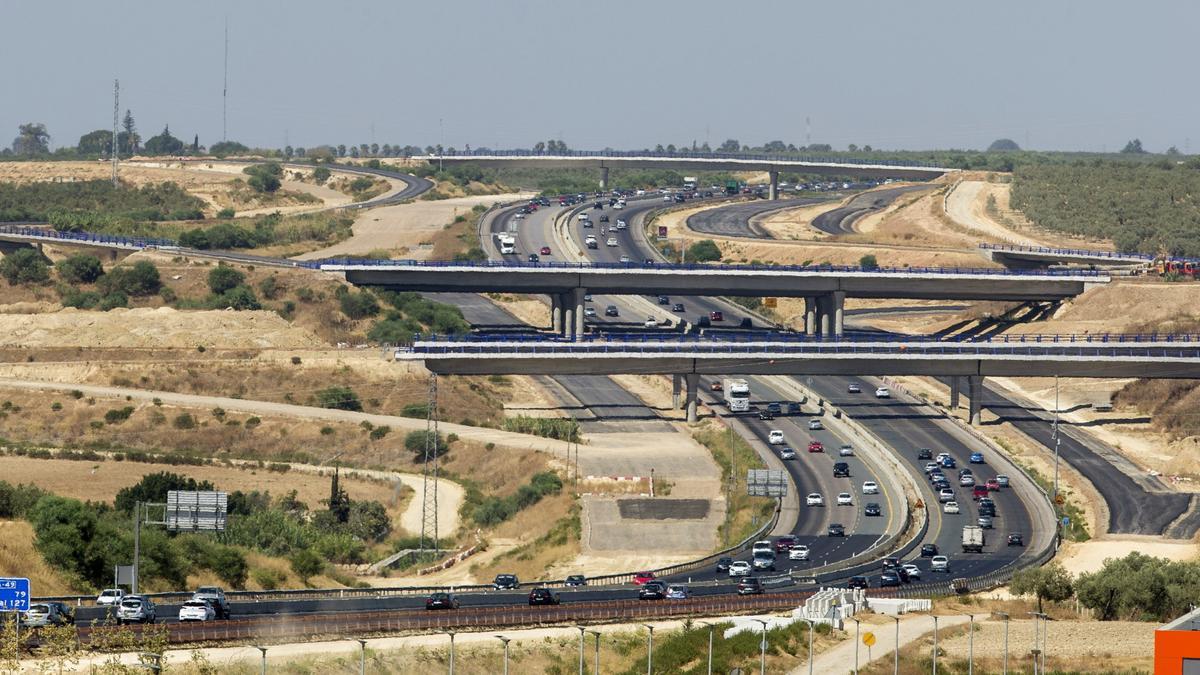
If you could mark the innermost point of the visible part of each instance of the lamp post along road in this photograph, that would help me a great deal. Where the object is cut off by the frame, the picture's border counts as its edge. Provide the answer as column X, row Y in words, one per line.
column 762, row 667
column 711, row 630
column 596, row 666
column 857, row 633
column 649, row 649
column 1005, row 616
column 935, row 652
column 451, row 634
column 971, row 645
column 896, row 651
column 582, row 630
column 505, row 641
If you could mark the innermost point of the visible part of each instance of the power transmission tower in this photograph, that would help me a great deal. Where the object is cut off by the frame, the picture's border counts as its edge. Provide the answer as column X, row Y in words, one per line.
column 225, row 87
column 115, row 148
column 429, row 503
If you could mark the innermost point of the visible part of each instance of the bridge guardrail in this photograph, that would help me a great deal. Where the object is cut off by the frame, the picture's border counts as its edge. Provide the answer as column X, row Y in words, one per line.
column 769, row 338
column 1073, row 251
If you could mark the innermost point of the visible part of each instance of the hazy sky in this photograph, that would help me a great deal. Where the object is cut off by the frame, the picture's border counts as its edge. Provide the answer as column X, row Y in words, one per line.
column 913, row 74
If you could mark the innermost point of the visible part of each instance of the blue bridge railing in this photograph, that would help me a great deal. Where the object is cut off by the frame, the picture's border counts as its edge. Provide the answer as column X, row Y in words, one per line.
column 1071, row 252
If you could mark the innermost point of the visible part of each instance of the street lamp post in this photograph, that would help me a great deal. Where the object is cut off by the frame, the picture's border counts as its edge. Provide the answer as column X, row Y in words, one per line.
column 582, row 630
column 896, row 651
column 762, row 667
column 1006, row 617
column 857, row 632
column 264, row 659
column 451, row 634
column 362, row 658
column 971, row 645
column 596, row 666
column 811, row 626
column 505, row 640
column 935, row 653
column 649, row 649
column 711, row 630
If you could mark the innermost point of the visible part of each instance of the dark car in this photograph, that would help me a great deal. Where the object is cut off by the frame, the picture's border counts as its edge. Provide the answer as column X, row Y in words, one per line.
column 929, row 550
column 841, row 470
column 533, row 257
column 506, row 582
column 604, row 218
column 724, row 563
column 924, row 454
column 987, row 507
column 891, row 562
column 889, row 579
column 775, row 408
column 858, row 582
column 716, row 316
column 652, row 590
column 794, row 408
column 677, row 307
column 837, row 530
column 750, row 586
column 872, row 509
column 575, row 580
column 664, row 300
column 611, row 310
column 746, row 322
column 441, row 600
column 543, row 596
column 765, row 414
column 1015, row 539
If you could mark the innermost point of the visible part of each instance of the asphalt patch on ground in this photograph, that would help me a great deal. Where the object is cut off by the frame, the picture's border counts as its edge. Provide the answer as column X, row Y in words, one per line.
column 663, row 509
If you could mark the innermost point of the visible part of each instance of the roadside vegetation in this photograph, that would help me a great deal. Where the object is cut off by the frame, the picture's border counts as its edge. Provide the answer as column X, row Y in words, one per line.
column 459, row 240
column 96, row 205
column 743, row 514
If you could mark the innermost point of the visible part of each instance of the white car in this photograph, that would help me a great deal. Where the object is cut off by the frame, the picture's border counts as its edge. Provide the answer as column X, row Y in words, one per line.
column 762, row 546
column 111, row 597
column 939, row 563
column 775, row 437
column 621, row 224
column 787, row 453
column 740, row 568
column 589, row 312
column 844, row 499
column 950, row 507
column 870, row 488
column 618, row 205
column 798, row 552
column 883, row 392
column 966, row 480
column 913, row 571
column 815, row 425
column 946, row 495
column 814, row 499
column 612, row 241
column 196, row 610
column 846, row 451
column 651, row 322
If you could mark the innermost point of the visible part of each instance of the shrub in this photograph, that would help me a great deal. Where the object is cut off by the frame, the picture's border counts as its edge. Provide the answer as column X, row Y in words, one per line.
column 113, row 300
column 24, row 266
column 705, row 250
column 416, row 441
column 267, row 578
column 379, row 432
column 184, row 421
column 868, row 262
column 139, row 279
column 239, row 297
column 306, row 564
column 341, row 398
column 359, row 304
column 417, row 410
column 80, row 269
column 269, row 287
column 118, row 415
column 321, row 174
column 549, row 427
column 226, row 212
column 223, row 278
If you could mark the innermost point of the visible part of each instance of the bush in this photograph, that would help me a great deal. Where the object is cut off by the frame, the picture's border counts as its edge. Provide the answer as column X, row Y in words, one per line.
column 118, row 415
column 139, row 279
column 267, row 578
column 24, row 266
column 223, row 278
column 80, row 269
column 416, row 410
column 113, row 300
column 80, row 299
column 184, row 421
column 306, row 564
column 416, row 442
column 321, row 174
column 868, row 262
column 238, row 297
column 379, row 432
column 226, row 212
column 549, row 427
column 705, row 250
column 340, row 398
column 359, row 304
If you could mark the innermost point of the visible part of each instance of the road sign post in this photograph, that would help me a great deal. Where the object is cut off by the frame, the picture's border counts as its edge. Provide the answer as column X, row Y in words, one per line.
column 14, row 594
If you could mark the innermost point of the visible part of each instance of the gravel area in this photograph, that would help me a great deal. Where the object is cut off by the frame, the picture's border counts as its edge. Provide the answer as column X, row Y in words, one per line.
column 1064, row 639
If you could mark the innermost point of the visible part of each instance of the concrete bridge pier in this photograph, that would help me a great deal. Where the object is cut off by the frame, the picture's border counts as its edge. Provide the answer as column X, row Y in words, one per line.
column 579, row 327
column 693, row 403
column 810, row 316
column 556, row 313
column 568, row 318
column 773, row 187
column 825, row 315
column 676, row 387
column 955, row 391
column 604, row 178
column 839, row 313
column 975, row 395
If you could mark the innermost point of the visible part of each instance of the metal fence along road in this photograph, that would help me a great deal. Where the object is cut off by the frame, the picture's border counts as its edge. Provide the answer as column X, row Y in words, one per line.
column 774, row 337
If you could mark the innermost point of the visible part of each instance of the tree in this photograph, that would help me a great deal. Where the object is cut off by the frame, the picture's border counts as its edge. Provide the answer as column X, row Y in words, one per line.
column 868, row 262
column 705, row 250
column 80, row 269
column 1173, row 151
column 1133, row 147
column 153, row 487
column 196, row 144
column 341, row 150
column 239, row 297
column 140, row 279
column 359, row 305
column 131, row 141
column 306, row 564
column 368, row 521
column 1004, row 145
column 223, row 278
column 1050, row 582
column 98, row 142
column 289, row 151
column 321, row 174
column 416, row 442
column 374, row 149
column 164, row 143
column 339, row 499
column 731, row 146
column 24, row 266
column 340, row 398
column 32, row 139
column 852, row 148
column 225, row 148
column 230, row 564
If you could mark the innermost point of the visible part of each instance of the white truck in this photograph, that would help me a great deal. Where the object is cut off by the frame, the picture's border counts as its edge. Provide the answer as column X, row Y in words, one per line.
column 737, row 395
column 972, row 539
column 689, row 182
column 508, row 243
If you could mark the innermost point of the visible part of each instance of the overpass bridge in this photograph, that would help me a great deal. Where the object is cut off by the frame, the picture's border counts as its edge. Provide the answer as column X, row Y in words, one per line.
column 604, row 160
column 1015, row 256
column 689, row 357
column 824, row 287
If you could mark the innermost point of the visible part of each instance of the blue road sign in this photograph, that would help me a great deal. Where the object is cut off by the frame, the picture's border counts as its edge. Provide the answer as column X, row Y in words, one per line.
column 1066, row 521
column 14, row 594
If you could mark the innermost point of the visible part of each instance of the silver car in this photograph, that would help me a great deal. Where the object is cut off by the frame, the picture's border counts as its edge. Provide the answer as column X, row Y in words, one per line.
column 136, row 608
column 48, row 614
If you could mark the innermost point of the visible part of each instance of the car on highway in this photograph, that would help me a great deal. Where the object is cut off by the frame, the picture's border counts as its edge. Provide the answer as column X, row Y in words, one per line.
column 762, row 546
column 200, row 610
column 750, row 586
column 589, row 312
column 836, row 530
column 798, row 552
column 890, row 562
column 870, row 487
column 940, row 484
column 976, row 458
column 739, row 568
column 979, row 492
column 930, row 467
column 136, row 609
column 951, row 508
column 992, row 485
column 612, row 241
column 763, row 560
column 924, row 454
column 785, row 543
column 889, row 578
column 985, row 522
column 853, row 389
column 575, row 580
column 883, row 392
column 48, row 614
column 1016, row 539
column 641, row 578
column 587, row 297
column 939, row 563
column 619, row 205
column 966, row 480
column 543, row 596
column 746, row 322
column 841, row 470
column 653, row 590
column 872, row 509
column 621, row 225
column 814, row 499
column 765, row 414
column 844, row 499
column 677, row 307
column 815, row 425
column 678, row 592
column 929, row 550
column 816, row 446
column 793, row 408
column 110, row 597
column 650, row 322
column 626, row 259
column 716, row 316
column 723, row 563
column 987, row 507
column 945, row 495
column 716, row 386
column 858, row 582
column 611, row 310
column 437, row 600
column 1002, row 480
column 215, row 596
column 949, row 463
column 603, row 219
column 775, row 437
column 545, row 250
column 664, row 300
column 533, row 257
column 846, row 451
column 910, row 572
column 787, row 453
column 506, row 582
column 775, row 408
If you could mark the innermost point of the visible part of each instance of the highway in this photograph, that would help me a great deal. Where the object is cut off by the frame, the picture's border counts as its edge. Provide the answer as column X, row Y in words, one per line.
column 737, row 220
column 842, row 219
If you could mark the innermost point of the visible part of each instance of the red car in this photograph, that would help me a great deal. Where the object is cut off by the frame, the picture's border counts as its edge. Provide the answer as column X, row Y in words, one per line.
column 545, row 250
column 993, row 484
column 816, row 446
column 785, row 543
column 716, row 316
column 640, row 578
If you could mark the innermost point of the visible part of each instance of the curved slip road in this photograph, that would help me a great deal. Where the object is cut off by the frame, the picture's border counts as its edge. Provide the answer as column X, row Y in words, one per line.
column 841, row 220
column 737, row 220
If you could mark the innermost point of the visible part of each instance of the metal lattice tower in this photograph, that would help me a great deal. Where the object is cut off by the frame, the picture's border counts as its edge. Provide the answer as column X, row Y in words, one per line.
column 429, row 503
column 116, row 110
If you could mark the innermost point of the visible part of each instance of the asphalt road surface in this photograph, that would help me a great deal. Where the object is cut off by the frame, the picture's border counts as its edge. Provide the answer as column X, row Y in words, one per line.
column 841, row 220
column 736, row 220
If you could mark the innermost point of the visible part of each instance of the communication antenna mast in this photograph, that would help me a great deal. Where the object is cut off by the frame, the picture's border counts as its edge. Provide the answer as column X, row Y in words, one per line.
column 429, row 503
column 115, row 148
column 808, row 131
column 225, row 86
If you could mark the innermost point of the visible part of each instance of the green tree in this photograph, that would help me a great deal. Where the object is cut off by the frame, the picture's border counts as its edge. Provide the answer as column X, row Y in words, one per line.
column 98, row 142
column 868, row 262
column 164, row 143
column 139, row 279
column 80, row 269
column 226, row 148
column 153, row 487
column 230, row 564
column 340, row 398
column 321, row 174
column 24, row 266
column 240, row 297
column 705, row 250
column 223, row 277
column 306, row 564
column 1133, row 147
column 1050, row 582
column 359, row 304
column 730, row 146
column 129, row 140
column 1004, row 145
column 416, row 442
column 368, row 521
column 32, row 139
